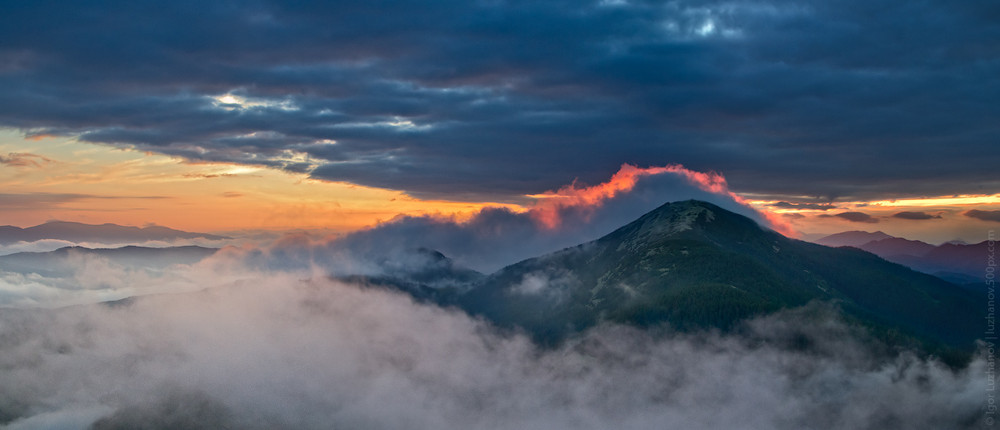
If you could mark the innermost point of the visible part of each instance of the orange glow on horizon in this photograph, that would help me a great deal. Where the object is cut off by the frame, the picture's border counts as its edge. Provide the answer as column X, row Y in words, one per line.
column 960, row 200
column 97, row 184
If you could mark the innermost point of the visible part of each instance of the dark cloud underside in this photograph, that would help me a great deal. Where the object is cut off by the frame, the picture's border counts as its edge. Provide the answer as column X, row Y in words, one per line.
column 494, row 99
column 983, row 215
column 812, row 206
column 855, row 217
column 915, row 215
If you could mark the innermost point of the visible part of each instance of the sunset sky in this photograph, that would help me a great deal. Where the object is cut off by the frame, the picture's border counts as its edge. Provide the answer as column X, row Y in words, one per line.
column 224, row 116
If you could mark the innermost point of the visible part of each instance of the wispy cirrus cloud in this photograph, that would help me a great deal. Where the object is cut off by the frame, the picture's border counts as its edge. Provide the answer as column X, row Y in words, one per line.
column 24, row 159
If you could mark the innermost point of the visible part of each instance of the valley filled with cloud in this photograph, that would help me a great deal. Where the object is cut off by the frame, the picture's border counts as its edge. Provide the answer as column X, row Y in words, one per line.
column 281, row 351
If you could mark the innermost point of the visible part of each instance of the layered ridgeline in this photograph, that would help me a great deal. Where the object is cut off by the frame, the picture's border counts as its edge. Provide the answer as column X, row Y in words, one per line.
column 693, row 265
column 102, row 233
column 959, row 263
column 68, row 260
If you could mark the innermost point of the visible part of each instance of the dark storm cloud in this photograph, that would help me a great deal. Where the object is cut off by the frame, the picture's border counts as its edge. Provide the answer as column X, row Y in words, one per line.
column 853, row 217
column 846, row 99
column 983, row 215
column 915, row 215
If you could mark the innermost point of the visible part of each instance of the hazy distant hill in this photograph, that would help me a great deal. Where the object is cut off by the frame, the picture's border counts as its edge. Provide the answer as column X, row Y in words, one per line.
column 428, row 276
column 951, row 259
column 103, row 233
column 65, row 261
column 694, row 265
column 852, row 238
column 956, row 262
column 897, row 246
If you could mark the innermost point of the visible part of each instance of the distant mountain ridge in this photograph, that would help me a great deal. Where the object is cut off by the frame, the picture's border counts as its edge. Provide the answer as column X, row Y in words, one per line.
column 956, row 262
column 60, row 262
column 103, row 233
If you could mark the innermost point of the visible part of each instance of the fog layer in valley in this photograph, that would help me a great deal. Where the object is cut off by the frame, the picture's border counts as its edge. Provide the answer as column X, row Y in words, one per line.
column 283, row 352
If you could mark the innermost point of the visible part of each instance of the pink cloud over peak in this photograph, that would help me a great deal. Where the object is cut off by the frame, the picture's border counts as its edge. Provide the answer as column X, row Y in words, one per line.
column 553, row 204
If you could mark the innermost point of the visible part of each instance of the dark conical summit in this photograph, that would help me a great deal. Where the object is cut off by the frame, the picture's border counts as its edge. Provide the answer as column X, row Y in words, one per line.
column 689, row 218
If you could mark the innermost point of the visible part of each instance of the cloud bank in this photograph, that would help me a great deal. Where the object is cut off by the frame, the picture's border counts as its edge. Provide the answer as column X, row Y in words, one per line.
column 283, row 352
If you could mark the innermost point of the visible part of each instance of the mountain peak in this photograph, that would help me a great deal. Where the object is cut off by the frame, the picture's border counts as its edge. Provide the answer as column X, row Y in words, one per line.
column 688, row 215
column 693, row 219
column 678, row 216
